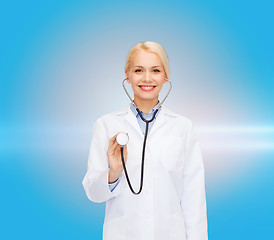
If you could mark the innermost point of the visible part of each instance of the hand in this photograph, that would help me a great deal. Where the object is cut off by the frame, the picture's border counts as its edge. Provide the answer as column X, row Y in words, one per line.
column 115, row 160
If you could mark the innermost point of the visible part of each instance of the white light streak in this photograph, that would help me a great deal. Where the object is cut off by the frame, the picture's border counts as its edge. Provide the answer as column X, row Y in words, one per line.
column 231, row 138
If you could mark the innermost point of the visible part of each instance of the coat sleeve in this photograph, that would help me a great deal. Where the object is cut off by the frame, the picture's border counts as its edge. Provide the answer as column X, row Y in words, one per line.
column 95, row 181
column 193, row 198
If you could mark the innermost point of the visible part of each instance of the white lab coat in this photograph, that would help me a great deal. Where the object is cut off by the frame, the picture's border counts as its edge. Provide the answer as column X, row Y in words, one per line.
column 172, row 204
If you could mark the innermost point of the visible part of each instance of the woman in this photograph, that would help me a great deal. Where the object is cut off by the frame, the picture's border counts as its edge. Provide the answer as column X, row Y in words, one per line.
column 172, row 203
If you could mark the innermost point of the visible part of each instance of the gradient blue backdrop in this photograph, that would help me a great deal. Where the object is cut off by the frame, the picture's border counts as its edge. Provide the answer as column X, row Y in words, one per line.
column 62, row 67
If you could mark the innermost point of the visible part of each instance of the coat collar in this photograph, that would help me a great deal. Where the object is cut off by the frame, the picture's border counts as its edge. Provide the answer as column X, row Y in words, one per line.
column 162, row 117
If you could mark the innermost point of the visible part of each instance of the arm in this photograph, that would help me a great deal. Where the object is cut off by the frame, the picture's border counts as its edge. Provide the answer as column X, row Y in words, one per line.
column 193, row 199
column 96, row 181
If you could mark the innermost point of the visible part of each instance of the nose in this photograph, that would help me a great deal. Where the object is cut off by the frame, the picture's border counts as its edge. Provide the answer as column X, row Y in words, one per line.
column 147, row 76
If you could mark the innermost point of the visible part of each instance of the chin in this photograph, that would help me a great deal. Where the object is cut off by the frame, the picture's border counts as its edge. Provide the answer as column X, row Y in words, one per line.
column 146, row 98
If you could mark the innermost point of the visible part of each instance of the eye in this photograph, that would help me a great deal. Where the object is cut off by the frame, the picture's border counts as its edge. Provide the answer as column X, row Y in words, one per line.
column 138, row 70
column 156, row 70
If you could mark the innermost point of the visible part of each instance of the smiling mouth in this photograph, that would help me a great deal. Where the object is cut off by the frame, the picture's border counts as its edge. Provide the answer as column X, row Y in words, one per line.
column 147, row 87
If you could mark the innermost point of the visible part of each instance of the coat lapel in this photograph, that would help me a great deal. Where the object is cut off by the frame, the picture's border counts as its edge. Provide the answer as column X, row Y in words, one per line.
column 132, row 120
column 160, row 120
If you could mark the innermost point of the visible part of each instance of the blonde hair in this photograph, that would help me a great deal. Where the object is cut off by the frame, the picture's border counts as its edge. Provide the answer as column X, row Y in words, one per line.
column 150, row 47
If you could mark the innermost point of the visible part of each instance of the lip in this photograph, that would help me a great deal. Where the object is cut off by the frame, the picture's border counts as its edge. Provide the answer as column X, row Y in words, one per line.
column 147, row 88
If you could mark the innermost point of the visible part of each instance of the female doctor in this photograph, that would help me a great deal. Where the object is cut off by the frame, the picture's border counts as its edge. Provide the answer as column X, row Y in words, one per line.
column 172, row 203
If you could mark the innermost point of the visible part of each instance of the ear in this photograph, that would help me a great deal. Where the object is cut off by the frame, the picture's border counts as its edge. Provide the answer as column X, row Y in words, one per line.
column 127, row 76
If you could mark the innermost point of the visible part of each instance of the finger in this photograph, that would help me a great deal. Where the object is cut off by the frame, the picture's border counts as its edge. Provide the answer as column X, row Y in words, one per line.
column 111, row 146
column 116, row 153
column 117, row 146
column 113, row 138
column 125, row 152
column 112, row 142
column 125, row 148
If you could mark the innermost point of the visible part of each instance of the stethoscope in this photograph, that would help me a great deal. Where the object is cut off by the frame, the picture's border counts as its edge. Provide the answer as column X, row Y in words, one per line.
column 122, row 138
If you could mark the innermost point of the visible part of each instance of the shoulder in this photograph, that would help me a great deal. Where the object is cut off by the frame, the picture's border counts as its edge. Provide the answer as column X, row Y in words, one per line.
column 111, row 116
column 183, row 125
column 176, row 116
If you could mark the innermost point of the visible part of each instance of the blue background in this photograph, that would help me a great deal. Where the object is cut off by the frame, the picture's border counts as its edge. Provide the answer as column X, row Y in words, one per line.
column 61, row 68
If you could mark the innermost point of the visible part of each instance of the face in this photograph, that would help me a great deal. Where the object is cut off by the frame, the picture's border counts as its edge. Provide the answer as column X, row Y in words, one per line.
column 146, row 75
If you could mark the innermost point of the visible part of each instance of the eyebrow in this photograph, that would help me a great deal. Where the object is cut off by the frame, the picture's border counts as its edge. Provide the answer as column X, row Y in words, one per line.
column 142, row 66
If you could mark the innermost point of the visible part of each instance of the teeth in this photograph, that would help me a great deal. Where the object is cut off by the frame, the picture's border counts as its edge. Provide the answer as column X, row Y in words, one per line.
column 146, row 87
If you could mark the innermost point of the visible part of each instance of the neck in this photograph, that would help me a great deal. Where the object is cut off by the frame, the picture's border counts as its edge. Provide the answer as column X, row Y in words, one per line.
column 145, row 105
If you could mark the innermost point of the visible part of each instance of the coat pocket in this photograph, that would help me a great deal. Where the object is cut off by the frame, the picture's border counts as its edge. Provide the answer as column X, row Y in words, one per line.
column 170, row 150
column 114, row 229
column 177, row 228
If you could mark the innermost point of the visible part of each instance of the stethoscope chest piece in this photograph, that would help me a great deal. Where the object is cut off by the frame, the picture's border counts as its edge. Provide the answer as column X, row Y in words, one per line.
column 122, row 138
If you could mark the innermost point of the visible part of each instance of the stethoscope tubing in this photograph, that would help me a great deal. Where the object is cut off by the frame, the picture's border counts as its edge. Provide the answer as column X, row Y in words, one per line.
column 145, row 139
column 170, row 87
column 142, row 166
